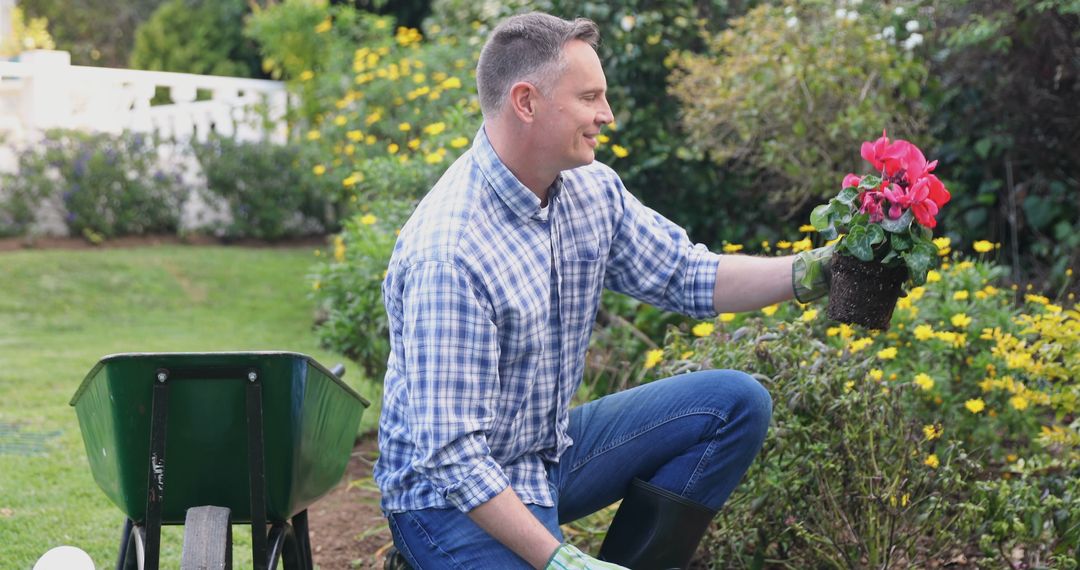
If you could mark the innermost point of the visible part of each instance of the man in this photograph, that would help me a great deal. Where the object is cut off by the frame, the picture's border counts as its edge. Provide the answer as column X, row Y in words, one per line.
column 491, row 293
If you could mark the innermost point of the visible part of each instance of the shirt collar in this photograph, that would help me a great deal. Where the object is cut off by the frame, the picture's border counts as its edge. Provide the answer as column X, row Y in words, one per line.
column 510, row 190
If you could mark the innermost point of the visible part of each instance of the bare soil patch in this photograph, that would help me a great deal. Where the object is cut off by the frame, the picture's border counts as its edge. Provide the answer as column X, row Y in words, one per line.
column 347, row 527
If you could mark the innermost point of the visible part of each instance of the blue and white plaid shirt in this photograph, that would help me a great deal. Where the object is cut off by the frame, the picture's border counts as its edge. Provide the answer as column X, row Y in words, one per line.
column 491, row 302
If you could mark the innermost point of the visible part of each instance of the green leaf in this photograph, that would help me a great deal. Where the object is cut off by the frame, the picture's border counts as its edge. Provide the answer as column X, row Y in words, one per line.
column 899, row 225
column 875, row 234
column 869, row 182
column 829, row 233
column 819, row 218
column 858, row 243
column 900, row 242
column 983, row 146
column 847, row 196
column 919, row 260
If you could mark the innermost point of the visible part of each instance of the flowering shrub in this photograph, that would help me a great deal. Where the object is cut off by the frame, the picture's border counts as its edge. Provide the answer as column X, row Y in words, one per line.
column 887, row 216
column 102, row 185
column 955, row 434
column 347, row 287
column 384, row 110
column 786, row 89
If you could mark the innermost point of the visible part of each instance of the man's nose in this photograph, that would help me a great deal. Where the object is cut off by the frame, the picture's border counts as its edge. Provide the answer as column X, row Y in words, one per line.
column 604, row 116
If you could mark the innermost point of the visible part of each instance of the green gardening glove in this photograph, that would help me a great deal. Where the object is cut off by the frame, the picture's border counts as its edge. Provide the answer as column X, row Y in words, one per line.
column 568, row 557
column 810, row 274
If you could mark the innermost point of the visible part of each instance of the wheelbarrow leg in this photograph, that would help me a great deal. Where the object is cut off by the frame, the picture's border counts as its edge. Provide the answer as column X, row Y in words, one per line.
column 256, row 471
column 303, row 538
column 285, row 546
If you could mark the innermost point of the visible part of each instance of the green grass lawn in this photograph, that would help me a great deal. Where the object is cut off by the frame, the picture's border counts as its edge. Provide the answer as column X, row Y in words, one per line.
column 61, row 311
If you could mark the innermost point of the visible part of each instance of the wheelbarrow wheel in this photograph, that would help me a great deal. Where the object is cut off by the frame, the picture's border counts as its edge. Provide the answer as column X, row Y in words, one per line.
column 132, row 547
column 207, row 539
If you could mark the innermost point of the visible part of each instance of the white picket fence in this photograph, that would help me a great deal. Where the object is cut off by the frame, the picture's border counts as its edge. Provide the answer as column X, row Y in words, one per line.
column 42, row 90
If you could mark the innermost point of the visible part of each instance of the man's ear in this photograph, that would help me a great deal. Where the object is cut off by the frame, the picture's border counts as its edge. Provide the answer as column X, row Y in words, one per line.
column 523, row 100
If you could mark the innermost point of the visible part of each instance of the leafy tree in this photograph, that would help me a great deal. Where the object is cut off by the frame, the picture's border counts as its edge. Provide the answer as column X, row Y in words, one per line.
column 1008, row 78
column 197, row 36
column 96, row 32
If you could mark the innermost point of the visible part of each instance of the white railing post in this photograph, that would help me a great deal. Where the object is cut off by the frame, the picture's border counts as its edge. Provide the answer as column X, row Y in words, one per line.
column 46, row 101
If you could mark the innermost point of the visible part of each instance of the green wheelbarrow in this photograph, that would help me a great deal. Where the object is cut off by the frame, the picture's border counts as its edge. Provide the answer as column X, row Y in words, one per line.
column 214, row 439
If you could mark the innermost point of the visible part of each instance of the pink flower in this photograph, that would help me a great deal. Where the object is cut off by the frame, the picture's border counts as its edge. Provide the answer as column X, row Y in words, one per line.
column 870, row 203
column 918, row 198
column 851, row 181
column 874, row 152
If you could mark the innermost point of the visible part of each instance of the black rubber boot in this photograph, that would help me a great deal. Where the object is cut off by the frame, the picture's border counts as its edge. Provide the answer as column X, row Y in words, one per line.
column 655, row 529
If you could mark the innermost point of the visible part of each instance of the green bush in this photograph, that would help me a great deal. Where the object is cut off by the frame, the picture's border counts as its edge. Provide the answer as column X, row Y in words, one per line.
column 1005, row 78
column 265, row 188
column 196, row 36
column 105, row 185
column 384, row 111
column 955, row 432
column 789, row 93
column 347, row 287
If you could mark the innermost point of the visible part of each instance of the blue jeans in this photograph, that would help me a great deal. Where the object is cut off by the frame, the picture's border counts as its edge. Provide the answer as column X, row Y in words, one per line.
column 694, row 434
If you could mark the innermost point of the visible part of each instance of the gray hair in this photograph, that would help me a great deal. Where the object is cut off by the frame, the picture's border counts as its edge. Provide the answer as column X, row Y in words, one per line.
column 526, row 47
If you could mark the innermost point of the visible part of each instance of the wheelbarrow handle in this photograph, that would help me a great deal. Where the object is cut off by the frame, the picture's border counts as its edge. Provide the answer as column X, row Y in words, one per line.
column 338, row 370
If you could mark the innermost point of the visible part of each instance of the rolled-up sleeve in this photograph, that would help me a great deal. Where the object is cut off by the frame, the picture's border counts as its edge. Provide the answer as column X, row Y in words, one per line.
column 452, row 378
column 653, row 260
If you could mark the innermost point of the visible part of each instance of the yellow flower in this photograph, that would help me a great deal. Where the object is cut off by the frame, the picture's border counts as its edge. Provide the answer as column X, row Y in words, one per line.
column 924, row 332
column 451, row 83
column 603, row 139
column 917, row 293
column 316, row 286
column 1019, row 402
column 619, row 151
column 770, row 310
column 393, row 148
column 983, row 246
column 352, row 180
column 370, row 140
column 802, row 245
column 932, row 461
column 960, row 296
column 943, row 244
column 933, row 276
column 924, row 381
column 433, row 158
column 368, row 219
column 975, row 405
column 314, row 135
column 324, row 26
column 848, row 386
column 727, row 317
column 435, row 128
column 404, row 127
column 808, row 316
column 413, row 144
column 355, row 136
column 887, row 353
column 782, row 244
column 373, row 118
column 960, row 320
column 653, row 357
column 876, row 374
column 1039, row 299
column 859, row 344
column 306, row 75
column 318, row 170
column 459, row 142
column 932, row 432
column 703, row 329
column 339, row 249
column 732, row 247
column 807, row 228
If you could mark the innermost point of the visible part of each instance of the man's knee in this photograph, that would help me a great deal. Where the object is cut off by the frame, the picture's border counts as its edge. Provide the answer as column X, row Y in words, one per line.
column 747, row 399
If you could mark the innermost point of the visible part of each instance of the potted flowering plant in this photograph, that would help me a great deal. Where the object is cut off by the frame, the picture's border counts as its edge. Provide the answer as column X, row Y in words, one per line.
column 884, row 221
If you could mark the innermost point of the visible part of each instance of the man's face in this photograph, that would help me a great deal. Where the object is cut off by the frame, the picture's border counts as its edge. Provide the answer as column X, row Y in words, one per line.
column 573, row 112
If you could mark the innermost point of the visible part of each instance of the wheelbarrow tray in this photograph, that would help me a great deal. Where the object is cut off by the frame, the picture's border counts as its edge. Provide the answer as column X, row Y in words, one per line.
column 310, row 419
